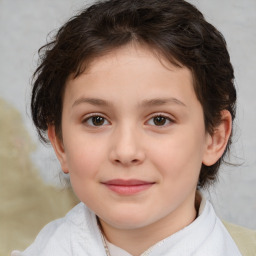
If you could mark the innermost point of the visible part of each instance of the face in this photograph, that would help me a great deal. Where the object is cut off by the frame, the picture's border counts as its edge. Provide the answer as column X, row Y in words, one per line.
column 133, row 139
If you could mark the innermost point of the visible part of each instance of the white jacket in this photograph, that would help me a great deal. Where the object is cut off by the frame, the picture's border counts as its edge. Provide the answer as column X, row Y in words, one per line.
column 78, row 234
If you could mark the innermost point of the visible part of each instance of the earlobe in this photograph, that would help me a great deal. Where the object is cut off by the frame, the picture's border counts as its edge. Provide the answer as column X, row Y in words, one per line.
column 217, row 142
column 58, row 147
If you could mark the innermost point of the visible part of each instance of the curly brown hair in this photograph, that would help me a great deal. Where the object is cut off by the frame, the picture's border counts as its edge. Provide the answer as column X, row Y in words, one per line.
column 174, row 28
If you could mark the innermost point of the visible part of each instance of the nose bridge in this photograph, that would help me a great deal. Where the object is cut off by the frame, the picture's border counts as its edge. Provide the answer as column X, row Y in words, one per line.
column 126, row 145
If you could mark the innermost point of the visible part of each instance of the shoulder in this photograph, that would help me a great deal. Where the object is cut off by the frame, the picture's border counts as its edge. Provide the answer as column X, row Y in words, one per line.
column 52, row 233
column 55, row 237
column 244, row 238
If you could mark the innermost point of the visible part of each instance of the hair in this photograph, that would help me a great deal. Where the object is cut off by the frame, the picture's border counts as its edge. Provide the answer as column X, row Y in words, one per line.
column 173, row 28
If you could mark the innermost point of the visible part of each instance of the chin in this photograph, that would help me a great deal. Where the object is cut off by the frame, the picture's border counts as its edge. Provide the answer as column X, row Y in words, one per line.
column 127, row 220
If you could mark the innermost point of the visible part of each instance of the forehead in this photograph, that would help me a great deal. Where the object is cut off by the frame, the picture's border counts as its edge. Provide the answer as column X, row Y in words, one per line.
column 132, row 71
column 132, row 52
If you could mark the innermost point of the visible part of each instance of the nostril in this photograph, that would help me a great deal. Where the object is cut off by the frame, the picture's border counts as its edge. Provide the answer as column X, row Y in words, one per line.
column 134, row 161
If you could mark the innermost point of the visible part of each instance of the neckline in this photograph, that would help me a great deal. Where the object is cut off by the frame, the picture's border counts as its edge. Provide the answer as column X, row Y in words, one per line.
column 113, row 250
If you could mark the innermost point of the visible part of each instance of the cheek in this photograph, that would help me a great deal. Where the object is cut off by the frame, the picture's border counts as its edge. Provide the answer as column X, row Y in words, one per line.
column 179, row 158
column 84, row 165
column 84, row 158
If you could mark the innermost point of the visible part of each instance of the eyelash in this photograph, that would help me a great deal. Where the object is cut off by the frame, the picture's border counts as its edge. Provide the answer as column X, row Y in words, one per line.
column 102, row 118
column 90, row 118
column 165, row 117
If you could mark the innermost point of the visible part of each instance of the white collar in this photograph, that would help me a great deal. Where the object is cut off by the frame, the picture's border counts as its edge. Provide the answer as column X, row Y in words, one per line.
column 206, row 235
column 78, row 234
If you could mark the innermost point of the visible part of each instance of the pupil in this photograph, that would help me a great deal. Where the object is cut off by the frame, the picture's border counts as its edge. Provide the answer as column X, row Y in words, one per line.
column 159, row 120
column 97, row 120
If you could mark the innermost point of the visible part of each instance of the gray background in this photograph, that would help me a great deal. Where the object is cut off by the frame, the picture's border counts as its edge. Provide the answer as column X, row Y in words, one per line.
column 24, row 25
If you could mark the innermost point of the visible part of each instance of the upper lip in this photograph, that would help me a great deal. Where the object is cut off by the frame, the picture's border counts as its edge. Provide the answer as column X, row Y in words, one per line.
column 131, row 182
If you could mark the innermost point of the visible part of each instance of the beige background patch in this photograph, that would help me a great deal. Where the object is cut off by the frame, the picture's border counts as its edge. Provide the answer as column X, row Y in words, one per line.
column 26, row 203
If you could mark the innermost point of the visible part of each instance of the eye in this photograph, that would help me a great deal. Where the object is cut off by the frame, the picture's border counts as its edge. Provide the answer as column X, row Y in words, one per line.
column 160, row 120
column 95, row 120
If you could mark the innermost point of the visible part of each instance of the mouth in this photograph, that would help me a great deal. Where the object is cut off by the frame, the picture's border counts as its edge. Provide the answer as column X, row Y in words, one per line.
column 128, row 187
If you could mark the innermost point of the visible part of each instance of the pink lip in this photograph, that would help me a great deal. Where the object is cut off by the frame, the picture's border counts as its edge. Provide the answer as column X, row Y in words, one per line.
column 128, row 187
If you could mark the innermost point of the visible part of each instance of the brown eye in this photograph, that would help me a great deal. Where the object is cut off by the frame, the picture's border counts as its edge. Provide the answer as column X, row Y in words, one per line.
column 159, row 120
column 96, row 121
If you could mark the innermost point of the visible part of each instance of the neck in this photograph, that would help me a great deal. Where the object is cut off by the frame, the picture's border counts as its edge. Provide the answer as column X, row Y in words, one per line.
column 136, row 241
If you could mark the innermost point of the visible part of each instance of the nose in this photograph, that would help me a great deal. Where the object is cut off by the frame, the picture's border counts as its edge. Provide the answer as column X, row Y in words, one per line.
column 126, row 147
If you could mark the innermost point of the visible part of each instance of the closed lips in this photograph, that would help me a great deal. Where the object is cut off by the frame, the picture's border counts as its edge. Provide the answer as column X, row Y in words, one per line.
column 128, row 187
column 119, row 182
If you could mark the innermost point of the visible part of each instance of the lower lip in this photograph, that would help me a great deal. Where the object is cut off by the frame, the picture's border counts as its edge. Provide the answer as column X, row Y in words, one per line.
column 128, row 190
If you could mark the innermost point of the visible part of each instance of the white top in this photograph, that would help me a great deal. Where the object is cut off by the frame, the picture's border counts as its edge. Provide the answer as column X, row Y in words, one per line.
column 78, row 234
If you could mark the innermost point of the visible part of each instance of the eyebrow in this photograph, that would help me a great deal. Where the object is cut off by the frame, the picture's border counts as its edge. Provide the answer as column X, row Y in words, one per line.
column 92, row 101
column 162, row 101
column 145, row 103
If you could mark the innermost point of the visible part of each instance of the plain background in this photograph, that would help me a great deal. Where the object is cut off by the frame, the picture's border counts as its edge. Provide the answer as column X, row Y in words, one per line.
column 24, row 26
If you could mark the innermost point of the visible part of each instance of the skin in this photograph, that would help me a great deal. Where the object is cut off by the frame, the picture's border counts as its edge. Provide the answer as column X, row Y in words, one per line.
column 150, row 128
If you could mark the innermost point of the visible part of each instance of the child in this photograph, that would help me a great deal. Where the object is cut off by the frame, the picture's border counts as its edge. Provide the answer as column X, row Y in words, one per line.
column 137, row 99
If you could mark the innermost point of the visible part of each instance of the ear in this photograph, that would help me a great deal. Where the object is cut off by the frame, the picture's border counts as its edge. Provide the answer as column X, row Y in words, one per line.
column 217, row 142
column 58, row 147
